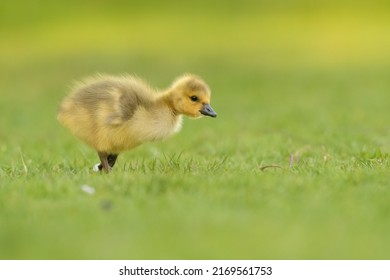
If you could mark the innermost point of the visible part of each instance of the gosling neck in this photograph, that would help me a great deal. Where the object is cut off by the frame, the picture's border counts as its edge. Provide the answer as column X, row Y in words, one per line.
column 167, row 99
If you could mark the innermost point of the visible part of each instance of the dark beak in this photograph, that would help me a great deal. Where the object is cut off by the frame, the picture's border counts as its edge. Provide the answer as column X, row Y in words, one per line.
column 208, row 111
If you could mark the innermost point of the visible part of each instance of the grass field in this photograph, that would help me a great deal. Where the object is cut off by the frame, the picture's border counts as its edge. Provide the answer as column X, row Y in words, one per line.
column 301, row 87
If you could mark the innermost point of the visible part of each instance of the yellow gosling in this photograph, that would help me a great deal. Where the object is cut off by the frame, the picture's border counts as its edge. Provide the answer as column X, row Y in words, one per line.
column 117, row 113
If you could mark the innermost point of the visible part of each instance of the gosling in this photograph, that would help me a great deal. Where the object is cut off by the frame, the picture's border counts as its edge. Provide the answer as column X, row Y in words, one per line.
column 117, row 113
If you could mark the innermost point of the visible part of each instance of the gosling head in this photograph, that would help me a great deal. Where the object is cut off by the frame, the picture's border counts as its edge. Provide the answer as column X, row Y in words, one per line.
column 190, row 96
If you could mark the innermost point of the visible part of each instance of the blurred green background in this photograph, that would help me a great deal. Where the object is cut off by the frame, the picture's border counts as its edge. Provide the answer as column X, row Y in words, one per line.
column 247, row 50
column 301, row 80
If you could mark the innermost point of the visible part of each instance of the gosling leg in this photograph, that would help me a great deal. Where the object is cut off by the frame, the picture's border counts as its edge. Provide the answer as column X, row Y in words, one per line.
column 104, row 162
column 111, row 159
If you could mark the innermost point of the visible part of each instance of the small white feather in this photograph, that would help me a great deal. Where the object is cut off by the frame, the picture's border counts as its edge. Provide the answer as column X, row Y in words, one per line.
column 88, row 189
column 96, row 167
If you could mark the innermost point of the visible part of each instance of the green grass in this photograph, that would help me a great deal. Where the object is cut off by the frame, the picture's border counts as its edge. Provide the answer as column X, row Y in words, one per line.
column 311, row 101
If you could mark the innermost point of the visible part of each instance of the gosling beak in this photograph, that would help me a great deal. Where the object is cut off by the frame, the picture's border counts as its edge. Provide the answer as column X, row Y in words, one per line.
column 208, row 111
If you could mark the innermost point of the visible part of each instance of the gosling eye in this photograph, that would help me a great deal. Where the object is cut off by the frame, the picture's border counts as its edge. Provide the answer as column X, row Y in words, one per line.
column 194, row 98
